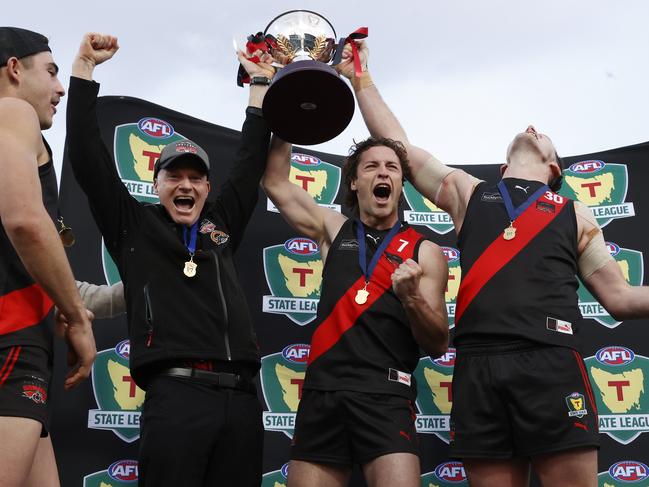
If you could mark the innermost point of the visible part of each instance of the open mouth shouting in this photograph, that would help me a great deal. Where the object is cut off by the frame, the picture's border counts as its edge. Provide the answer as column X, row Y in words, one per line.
column 382, row 192
column 184, row 204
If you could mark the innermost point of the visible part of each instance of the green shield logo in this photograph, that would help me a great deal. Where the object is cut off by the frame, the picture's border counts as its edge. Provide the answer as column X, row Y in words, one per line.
column 453, row 285
column 424, row 212
column 600, row 185
column 435, row 394
column 293, row 274
column 282, row 377
column 620, row 378
column 137, row 146
column 632, row 266
column 625, row 473
column 276, row 478
column 120, row 473
column 317, row 177
column 118, row 398
column 447, row 474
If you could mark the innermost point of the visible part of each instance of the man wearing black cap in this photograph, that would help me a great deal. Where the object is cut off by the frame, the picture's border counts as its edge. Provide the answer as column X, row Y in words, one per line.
column 193, row 348
column 34, row 271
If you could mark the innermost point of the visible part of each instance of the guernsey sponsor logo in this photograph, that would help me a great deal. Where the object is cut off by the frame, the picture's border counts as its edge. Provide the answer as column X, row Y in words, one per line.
column 119, row 399
column 425, row 212
column 631, row 264
column 119, row 473
column 620, row 379
column 282, row 377
column 294, row 275
column 435, row 394
column 600, row 185
column 317, row 177
column 447, row 474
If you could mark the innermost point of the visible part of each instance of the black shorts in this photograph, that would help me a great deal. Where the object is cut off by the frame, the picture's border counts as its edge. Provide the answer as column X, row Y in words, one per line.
column 521, row 401
column 25, row 374
column 344, row 427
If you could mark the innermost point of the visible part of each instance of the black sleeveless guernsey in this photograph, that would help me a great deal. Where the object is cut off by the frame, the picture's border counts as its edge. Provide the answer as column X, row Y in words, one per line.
column 26, row 316
column 365, row 348
column 533, row 297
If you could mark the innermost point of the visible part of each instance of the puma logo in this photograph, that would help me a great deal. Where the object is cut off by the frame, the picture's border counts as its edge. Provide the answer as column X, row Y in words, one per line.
column 374, row 239
column 524, row 189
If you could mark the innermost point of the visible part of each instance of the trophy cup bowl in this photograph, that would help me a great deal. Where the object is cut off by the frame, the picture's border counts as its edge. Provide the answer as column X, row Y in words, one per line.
column 308, row 102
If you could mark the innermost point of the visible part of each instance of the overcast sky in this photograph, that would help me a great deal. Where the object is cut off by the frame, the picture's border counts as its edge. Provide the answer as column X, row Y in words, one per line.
column 463, row 76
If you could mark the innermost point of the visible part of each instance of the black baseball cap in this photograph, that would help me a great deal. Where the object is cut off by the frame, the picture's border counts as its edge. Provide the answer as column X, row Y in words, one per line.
column 20, row 43
column 181, row 148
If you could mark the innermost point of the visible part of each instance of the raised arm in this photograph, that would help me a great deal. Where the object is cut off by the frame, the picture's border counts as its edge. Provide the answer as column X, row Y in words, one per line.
column 294, row 203
column 420, row 287
column 448, row 188
column 602, row 275
column 31, row 230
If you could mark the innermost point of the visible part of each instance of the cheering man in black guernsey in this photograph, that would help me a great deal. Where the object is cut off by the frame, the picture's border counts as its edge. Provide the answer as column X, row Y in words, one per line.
column 382, row 297
column 518, row 374
column 193, row 349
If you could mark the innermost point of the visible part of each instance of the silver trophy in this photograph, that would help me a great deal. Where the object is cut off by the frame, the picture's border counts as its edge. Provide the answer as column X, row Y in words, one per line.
column 307, row 103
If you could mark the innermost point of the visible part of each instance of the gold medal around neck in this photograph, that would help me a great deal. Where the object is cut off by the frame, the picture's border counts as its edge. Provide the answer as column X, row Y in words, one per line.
column 190, row 268
column 361, row 296
column 510, row 232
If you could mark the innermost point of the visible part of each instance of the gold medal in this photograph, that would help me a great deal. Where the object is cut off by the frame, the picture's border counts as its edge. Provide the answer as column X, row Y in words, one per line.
column 510, row 232
column 361, row 295
column 65, row 232
column 190, row 267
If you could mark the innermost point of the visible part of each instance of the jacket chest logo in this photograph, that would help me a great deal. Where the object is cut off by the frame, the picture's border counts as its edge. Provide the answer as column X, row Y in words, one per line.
column 219, row 237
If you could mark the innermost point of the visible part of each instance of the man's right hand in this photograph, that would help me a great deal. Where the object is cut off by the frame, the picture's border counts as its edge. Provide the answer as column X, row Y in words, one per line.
column 81, row 347
column 346, row 66
column 94, row 49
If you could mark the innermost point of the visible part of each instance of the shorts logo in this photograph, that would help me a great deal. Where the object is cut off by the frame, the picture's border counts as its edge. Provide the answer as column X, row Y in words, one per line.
column 631, row 264
column 276, row 478
column 453, row 285
column 282, row 377
column 293, row 274
column 560, row 326
column 137, row 147
column 576, row 405
column 600, row 185
column 395, row 375
column 620, row 381
column 435, row 394
column 119, row 399
column 317, row 177
column 425, row 212
column 120, row 473
column 35, row 392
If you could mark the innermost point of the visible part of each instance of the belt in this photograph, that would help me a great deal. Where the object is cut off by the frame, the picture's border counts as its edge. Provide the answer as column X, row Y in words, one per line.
column 220, row 379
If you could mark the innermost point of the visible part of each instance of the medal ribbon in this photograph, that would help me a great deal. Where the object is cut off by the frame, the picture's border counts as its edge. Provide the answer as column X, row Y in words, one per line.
column 362, row 248
column 191, row 246
column 516, row 212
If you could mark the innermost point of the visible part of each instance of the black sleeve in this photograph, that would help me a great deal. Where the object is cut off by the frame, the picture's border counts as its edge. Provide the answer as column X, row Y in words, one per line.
column 113, row 208
column 239, row 194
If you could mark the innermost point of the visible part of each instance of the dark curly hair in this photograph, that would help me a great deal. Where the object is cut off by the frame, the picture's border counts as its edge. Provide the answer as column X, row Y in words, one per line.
column 351, row 164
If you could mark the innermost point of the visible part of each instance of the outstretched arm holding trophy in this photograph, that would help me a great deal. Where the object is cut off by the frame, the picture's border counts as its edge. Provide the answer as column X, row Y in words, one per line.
column 522, row 245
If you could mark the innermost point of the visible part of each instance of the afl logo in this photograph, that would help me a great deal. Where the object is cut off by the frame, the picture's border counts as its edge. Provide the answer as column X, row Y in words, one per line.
column 613, row 249
column 629, row 471
column 284, row 470
column 124, row 471
column 451, row 254
column 301, row 246
column 585, row 167
column 448, row 359
column 452, row 472
column 155, row 128
column 297, row 353
column 305, row 159
column 614, row 355
column 123, row 349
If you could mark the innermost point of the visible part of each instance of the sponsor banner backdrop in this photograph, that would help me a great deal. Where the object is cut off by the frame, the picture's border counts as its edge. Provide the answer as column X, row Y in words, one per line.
column 281, row 272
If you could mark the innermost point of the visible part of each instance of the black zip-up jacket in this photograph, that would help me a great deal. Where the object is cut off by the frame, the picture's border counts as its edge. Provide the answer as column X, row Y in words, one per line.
column 172, row 317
